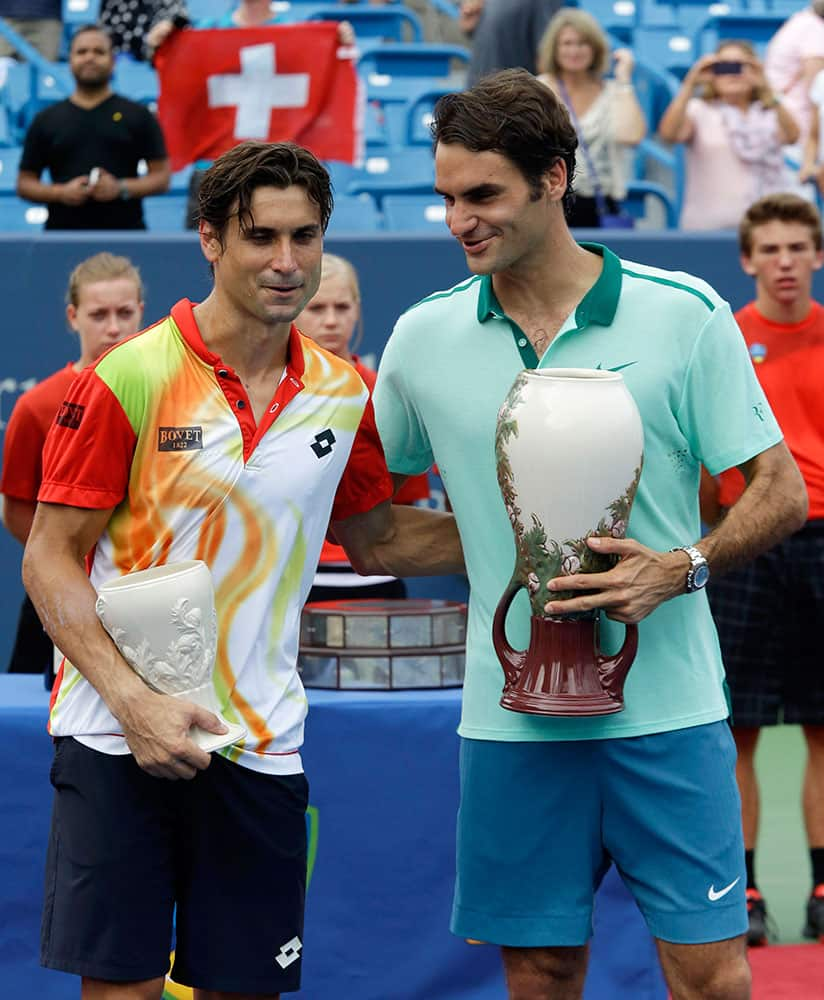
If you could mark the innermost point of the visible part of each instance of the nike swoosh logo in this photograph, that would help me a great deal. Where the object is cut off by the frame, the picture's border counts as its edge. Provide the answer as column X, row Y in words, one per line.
column 617, row 368
column 713, row 896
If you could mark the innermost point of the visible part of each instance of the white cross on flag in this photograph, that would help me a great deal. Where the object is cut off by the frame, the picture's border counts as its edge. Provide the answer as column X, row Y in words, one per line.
column 221, row 86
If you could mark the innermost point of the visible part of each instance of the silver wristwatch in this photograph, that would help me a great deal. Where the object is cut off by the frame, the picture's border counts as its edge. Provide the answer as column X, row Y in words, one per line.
column 699, row 572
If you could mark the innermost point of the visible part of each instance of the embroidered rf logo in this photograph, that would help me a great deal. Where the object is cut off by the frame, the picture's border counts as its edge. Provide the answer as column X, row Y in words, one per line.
column 323, row 443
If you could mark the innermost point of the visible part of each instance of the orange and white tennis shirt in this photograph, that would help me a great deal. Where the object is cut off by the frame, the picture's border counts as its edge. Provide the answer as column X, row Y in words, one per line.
column 163, row 432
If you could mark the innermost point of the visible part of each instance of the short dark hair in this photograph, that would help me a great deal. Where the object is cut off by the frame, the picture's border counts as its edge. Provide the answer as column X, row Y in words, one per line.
column 516, row 115
column 228, row 185
column 84, row 29
column 783, row 207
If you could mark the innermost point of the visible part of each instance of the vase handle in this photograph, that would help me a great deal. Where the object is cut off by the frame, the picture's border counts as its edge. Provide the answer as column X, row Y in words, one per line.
column 613, row 670
column 512, row 660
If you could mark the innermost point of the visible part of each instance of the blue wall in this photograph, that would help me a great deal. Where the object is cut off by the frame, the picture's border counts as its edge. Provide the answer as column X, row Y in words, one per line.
column 394, row 274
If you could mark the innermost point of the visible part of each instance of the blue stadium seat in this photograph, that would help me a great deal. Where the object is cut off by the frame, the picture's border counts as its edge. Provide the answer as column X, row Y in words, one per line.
column 18, row 216
column 202, row 10
column 617, row 17
column 7, row 136
column 758, row 29
column 9, row 165
column 341, row 175
column 638, row 192
column 165, row 212
column 136, row 80
column 77, row 12
column 392, row 23
column 400, row 171
column 383, row 65
column 414, row 213
column 180, row 180
column 665, row 48
column 354, row 214
column 418, row 111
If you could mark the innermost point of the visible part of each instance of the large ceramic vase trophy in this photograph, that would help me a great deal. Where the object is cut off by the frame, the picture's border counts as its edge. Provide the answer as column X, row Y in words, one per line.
column 569, row 449
column 164, row 623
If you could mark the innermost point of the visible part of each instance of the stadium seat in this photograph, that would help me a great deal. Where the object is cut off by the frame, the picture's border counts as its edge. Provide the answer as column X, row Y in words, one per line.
column 165, row 212
column 9, row 165
column 418, row 112
column 202, row 10
column 18, row 216
column 635, row 203
column 617, row 17
column 383, row 65
column 354, row 214
column 136, row 80
column 401, row 171
column 180, row 180
column 665, row 48
column 7, row 136
column 414, row 213
column 391, row 23
column 758, row 29
column 77, row 12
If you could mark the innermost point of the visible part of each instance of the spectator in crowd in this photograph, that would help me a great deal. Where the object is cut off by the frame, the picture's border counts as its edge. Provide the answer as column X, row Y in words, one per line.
column 331, row 319
column 734, row 132
column 812, row 159
column 547, row 802
column 506, row 33
column 92, row 144
column 138, row 27
column 768, row 613
column 794, row 56
column 104, row 304
column 37, row 21
column 573, row 58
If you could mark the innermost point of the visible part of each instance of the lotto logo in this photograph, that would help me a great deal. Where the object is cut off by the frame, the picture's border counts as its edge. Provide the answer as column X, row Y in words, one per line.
column 323, row 443
column 289, row 952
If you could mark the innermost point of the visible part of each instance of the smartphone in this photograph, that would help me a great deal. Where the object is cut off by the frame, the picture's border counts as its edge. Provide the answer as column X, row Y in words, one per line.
column 727, row 67
column 94, row 176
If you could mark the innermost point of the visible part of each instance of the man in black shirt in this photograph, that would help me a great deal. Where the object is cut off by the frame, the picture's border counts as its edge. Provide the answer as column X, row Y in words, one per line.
column 91, row 145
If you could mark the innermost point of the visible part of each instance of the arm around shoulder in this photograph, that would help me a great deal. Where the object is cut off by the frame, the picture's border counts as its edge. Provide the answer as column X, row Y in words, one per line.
column 399, row 540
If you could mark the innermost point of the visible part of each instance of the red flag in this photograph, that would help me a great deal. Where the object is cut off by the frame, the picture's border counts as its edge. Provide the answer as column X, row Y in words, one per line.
column 221, row 86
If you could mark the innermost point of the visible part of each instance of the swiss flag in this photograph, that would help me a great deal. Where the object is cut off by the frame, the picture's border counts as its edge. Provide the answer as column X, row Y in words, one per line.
column 221, row 86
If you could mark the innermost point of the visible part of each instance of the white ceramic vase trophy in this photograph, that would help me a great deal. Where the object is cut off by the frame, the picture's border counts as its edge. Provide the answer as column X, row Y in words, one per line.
column 569, row 449
column 164, row 623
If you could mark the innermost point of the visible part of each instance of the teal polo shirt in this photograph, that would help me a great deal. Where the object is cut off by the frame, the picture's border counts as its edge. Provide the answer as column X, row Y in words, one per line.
column 446, row 370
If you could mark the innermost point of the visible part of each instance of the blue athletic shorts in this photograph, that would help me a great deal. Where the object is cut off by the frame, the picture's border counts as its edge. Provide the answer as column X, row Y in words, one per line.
column 539, row 824
column 228, row 848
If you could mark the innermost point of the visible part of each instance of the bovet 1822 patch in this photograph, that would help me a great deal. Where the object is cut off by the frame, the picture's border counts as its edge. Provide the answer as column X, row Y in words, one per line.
column 179, row 438
column 69, row 415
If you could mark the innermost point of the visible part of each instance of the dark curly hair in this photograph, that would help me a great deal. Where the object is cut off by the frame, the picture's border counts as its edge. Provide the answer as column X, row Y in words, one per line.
column 516, row 115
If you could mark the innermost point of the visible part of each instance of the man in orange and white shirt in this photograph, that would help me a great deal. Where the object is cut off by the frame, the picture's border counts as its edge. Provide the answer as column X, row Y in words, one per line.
column 219, row 434
column 768, row 612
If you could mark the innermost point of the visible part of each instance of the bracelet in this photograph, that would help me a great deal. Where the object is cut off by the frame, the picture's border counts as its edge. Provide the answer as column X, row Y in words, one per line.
column 123, row 190
column 624, row 88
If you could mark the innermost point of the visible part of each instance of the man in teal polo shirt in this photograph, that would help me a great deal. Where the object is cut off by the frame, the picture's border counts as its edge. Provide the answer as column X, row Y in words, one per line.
column 547, row 803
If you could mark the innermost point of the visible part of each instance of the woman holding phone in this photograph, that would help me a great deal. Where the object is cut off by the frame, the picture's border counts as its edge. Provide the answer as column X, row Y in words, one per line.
column 734, row 128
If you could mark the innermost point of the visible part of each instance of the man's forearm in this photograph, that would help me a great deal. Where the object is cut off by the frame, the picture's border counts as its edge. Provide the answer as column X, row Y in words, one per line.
column 148, row 184
column 773, row 506
column 38, row 191
column 416, row 541
column 65, row 601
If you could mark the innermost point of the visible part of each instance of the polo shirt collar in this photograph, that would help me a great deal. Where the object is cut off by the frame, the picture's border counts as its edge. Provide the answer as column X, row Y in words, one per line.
column 185, row 321
column 599, row 305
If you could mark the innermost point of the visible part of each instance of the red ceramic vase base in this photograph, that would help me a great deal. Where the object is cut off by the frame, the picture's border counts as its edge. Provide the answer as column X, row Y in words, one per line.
column 570, row 704
column 562, row 672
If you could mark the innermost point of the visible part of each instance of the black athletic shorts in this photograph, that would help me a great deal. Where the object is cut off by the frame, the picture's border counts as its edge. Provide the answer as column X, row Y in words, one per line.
column 768, row 615
column 227, row 849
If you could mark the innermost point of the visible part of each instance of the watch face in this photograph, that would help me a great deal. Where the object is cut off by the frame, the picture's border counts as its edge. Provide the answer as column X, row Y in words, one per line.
column 700, row 576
